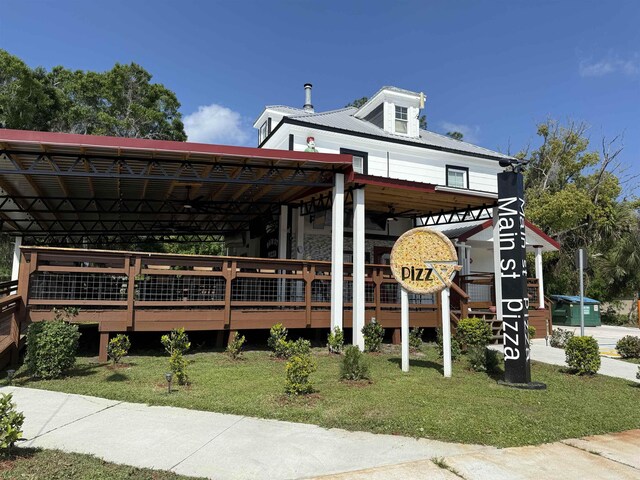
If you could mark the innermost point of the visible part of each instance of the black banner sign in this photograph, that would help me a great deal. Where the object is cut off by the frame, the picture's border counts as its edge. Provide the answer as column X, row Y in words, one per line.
column 513, row 277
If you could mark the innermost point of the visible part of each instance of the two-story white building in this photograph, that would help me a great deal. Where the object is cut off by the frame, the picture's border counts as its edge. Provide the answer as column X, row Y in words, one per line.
column 389, row 151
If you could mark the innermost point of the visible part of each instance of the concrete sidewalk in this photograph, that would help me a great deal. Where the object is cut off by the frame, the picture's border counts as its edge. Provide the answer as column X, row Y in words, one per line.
column 208, row 444
column 220, row 446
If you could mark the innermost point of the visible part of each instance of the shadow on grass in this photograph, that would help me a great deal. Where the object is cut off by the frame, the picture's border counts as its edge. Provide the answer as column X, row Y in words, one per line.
column 117, row 377
column 420, row 363
column 16, row 453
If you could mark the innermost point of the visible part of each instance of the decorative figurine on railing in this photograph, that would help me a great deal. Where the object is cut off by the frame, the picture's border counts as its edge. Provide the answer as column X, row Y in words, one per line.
column 311, row 145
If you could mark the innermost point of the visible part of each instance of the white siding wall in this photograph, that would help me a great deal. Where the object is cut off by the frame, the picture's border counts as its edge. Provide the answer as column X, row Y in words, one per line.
column 405, row 162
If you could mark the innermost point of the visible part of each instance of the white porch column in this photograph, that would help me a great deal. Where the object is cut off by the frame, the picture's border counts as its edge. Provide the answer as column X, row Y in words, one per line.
column 15, row 268
column 282, row 248
column 539, row 276
column 337, row 252
column 496, row 265
column 446, row 332
column 404, row 328
column 467, row 260
column 358, row 267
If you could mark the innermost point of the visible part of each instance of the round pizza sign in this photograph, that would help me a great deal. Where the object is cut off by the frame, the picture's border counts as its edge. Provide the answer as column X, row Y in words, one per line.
column 424, row 261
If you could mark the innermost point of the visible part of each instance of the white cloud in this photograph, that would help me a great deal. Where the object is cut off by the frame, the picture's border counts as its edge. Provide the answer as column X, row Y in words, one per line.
column 610, row 64
column 471, row 132
column 216, row 124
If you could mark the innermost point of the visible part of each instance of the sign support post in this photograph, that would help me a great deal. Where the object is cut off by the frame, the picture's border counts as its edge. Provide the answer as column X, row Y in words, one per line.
column 404, row 327
column 581, row 271
column 446, row 332
column 512, row 275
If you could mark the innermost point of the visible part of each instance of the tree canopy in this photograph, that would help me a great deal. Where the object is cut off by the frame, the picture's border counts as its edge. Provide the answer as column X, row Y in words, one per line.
column 120, row 102
column 575, row 194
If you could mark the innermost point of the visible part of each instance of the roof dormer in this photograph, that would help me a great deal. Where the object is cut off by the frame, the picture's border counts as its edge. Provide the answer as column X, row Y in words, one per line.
column 395, row 110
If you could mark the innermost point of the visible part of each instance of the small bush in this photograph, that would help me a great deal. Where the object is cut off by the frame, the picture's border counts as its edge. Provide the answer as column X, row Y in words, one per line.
column 298, row 347
column 373, row 336
column 234, row 348
column 473, row 332
column 51, row 348
column 10, row 423
column 638, row 373
column 277, row 341
column 629, row 347
column 354, row 365
column 335, row 341
column 532, row 332
column 456, row 351
column 583, row 355
column 560, row 337
column 176, row 345
column 298, row 370
column 118, row 347
column 492, row 360
column 477, row 357
column 415, row 338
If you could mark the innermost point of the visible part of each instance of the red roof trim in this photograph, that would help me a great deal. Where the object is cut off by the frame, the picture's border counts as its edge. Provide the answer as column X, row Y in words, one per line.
column 539, row 232
column 390, row 182
column 477, row 229
column 76, row 140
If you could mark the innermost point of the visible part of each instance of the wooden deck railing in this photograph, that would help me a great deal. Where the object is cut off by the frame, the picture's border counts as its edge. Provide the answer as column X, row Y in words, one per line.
column 10, row 306
column 147, row 291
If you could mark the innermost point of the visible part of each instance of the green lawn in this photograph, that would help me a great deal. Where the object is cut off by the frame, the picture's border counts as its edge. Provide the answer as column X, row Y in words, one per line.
column 470, row 407
column 56, row 465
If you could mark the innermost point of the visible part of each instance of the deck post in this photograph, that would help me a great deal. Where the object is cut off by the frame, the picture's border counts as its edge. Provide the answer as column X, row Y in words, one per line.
column 282, row 248
column 337, row 252
column 446, row 332
column 539, row 276
column 104, row 343
column 15, row 268
column 358, row 268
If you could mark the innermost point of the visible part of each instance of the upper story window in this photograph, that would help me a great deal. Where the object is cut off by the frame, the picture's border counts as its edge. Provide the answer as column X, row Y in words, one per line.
column 360, row 160
column 457, row 177
column 265, row 130
column 402, row 119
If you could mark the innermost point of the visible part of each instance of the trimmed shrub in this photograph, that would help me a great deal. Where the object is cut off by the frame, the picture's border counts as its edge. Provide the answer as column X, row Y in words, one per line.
column 176, row 344
column 629, row 347
column 415, row 337
column 277, row 341
column 560, row 337
column 298, row 370
column 234, row 348
column 298, row 347
column 583, row 355
column 493, row 360
column 354, row 365
column 456, row 351
column 473, row 332
column 373, row 336
column 118, row 347
column 335, row 341
column 10, row 423
column 532, row 332
column 51, row 348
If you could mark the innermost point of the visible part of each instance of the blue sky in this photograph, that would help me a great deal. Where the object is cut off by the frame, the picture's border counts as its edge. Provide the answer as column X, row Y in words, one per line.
column 489, row 69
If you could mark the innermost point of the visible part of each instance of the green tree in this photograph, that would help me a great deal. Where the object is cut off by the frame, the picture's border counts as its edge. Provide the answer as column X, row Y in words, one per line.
column 455, row 135
column 357, row 103
column 573, row 193
column 120, row 102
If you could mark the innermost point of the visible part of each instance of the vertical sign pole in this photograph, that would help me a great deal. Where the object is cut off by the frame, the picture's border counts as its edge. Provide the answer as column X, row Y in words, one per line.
column 513, row 277
column 404, row 328
column 446, row 332
column 581, row 269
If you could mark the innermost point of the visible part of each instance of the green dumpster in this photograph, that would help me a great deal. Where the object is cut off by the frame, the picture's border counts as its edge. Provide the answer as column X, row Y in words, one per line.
column 565, row 310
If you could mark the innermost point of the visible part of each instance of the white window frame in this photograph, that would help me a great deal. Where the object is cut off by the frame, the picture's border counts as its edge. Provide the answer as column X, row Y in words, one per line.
column 398, row 118
column 465, row 176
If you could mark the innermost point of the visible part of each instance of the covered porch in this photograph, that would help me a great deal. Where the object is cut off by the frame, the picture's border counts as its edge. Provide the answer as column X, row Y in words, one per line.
column 69, row 199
